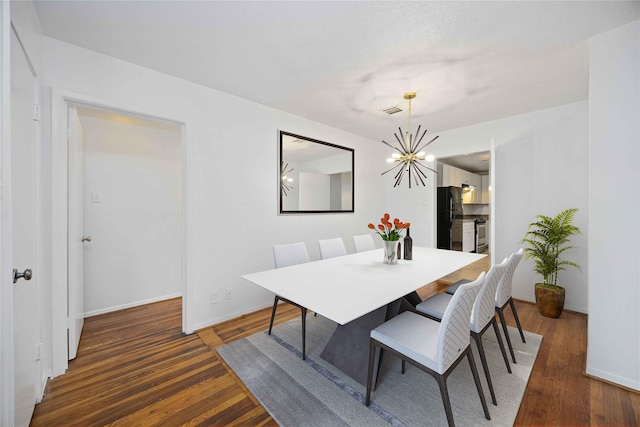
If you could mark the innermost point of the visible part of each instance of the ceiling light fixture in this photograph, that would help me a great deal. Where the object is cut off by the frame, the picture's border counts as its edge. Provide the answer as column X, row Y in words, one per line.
column 410, row 153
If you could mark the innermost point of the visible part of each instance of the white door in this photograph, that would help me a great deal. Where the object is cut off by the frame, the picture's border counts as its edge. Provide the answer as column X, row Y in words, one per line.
column 76, row 237
column 24, row 155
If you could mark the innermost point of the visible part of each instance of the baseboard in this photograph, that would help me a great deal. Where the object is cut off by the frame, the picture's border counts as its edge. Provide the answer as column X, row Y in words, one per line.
column 230, row 316
column 131, row 304
column 619, row 382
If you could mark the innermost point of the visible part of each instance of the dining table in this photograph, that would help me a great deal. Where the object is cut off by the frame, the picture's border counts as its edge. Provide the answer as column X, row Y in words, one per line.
column 359, row 292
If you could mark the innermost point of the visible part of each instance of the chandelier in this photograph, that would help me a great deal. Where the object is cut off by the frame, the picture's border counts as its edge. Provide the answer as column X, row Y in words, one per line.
column 409, row 154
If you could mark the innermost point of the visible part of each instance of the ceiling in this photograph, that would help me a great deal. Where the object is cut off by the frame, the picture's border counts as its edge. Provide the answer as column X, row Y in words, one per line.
column 471, row 162
column 340, row 63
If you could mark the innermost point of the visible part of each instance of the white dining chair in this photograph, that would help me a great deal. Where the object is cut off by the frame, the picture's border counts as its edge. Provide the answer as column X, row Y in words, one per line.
column 284, row 256
column 364, row 242
column 330, row 248
column 482, row 316
column 504, row 297
column 434, row 347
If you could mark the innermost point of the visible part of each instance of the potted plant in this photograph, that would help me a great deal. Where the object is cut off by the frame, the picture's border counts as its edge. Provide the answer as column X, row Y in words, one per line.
column 547, row 239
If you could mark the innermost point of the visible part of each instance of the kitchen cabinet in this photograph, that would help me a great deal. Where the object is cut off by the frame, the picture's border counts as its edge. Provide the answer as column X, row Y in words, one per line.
column 468, row 236
column 451, row 176
column 486, row 195
column 456, row 177
column 473, row 195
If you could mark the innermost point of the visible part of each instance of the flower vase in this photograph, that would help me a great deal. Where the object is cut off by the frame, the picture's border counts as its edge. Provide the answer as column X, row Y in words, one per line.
column 390, row 251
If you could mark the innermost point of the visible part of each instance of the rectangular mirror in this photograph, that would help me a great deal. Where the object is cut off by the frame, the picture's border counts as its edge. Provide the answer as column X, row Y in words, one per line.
column 315, row 176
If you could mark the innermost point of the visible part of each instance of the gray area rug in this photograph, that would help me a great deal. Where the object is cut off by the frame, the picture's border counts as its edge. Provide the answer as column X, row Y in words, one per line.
column 315, row 393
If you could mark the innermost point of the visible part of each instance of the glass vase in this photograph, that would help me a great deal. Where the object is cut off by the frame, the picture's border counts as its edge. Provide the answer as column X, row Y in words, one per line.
column 390, row 251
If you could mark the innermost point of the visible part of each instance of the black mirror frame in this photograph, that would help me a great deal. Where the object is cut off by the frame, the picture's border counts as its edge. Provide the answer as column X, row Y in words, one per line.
column 280, row 186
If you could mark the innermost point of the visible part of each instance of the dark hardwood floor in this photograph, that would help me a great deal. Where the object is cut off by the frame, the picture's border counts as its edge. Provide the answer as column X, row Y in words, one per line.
column 135, row 368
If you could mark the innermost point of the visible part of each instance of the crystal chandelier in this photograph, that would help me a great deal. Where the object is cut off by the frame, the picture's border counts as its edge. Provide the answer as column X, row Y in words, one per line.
column 408, row 156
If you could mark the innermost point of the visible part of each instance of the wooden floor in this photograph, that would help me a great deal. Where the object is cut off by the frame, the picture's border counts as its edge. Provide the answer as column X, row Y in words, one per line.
column 135, row 368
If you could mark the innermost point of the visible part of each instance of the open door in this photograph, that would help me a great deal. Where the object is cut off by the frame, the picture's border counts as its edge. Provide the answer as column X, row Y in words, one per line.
column 76, row 238
column 24, row 229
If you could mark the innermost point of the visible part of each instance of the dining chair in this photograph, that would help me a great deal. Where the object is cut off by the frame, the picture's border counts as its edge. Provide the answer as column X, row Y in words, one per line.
column 482, row 316
column 503, row 297
column 284, row 256
column 330, row 248
column 364, row 242
column 434, row 347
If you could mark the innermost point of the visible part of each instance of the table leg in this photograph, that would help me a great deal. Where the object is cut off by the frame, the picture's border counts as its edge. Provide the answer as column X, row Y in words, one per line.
column 348, row 347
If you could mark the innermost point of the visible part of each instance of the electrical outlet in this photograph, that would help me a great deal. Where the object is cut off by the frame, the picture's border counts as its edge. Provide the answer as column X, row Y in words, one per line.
column 213, row 297
column 227, row 294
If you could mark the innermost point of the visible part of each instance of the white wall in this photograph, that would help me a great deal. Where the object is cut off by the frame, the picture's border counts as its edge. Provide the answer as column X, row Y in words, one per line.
column 132, row 211
column 613, row 351
column 543, row 169
column 232, row 220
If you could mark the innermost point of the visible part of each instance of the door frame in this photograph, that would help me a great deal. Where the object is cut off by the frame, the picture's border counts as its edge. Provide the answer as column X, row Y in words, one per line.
column 60, row 100
column 6, row 264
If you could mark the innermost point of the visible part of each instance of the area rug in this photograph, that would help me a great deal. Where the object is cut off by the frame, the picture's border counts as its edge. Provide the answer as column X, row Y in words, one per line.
column 315, row 393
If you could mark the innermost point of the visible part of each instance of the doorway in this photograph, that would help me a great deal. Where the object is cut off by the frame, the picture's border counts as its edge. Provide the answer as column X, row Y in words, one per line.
column 474, row 173
column 132, row 210
column 130, row 160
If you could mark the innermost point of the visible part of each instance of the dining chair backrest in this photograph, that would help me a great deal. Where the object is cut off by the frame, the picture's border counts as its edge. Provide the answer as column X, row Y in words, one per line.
column 454, row 335
column 290, row 254
column 504, row 287
column 330, row 248
column 484, row 307
column 364, row 242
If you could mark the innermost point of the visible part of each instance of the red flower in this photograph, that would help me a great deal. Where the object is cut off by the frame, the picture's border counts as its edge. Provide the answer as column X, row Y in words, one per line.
column 388, row 230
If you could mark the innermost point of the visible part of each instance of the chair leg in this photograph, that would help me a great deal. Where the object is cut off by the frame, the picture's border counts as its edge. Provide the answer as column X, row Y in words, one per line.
column 273, row 312
column 485, row 366
column 506, row 333
column 515, row 315
column 372, row 353
column 304, row 332
column 444, row 392
column 474, row 371
column 404, row 366
column 504, row 352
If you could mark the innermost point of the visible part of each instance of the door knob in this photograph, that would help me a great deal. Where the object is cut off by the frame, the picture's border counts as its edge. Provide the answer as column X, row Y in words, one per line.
column 26, row 275
column 86, row 239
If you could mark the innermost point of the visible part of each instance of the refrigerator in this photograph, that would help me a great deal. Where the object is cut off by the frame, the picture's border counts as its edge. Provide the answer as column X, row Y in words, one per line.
column 449, row 210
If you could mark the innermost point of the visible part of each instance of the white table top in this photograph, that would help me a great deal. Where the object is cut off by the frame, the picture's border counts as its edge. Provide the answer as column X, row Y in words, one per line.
column 348, row 287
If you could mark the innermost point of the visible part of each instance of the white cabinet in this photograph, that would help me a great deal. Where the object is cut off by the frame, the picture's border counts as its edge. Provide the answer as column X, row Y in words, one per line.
column 474, row 193
column 486, row 195
column 451, row 176
column 468, row 236
column 455, row 177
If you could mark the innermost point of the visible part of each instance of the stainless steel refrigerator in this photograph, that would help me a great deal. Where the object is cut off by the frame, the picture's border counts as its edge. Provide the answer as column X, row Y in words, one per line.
column 449, row 210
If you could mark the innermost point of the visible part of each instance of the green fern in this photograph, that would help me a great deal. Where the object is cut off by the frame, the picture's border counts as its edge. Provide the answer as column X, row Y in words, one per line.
column 548, row 239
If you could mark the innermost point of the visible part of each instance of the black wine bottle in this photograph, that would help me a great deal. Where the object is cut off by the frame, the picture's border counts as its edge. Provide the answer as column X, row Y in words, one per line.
column 408, row 246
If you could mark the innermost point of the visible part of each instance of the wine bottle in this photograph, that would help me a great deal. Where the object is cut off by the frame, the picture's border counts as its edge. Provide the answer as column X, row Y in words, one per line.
column 408, row 246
